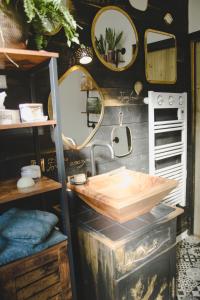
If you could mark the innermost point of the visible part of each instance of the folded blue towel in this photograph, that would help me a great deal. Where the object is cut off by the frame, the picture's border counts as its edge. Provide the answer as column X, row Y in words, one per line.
column 27, row 226
column 16, row 250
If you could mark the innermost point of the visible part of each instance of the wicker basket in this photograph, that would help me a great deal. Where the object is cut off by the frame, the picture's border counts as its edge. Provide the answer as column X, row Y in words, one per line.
column 13, row 31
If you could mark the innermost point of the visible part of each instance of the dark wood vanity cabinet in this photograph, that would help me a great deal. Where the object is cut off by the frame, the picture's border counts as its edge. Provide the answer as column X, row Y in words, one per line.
column 135, row 260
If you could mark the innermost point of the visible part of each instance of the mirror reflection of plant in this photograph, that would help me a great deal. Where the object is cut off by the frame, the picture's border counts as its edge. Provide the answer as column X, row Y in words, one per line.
column 93, row 105
column 46, row 17
column 112, row 38
column 101, row 44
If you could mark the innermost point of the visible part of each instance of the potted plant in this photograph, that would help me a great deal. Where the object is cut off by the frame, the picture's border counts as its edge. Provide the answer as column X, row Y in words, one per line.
column 101, row 46
column 40, row 18
column 112, row 40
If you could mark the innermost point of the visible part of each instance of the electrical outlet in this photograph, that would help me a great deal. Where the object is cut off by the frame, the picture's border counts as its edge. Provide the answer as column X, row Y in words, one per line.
column 42, row 163
column 3, row 82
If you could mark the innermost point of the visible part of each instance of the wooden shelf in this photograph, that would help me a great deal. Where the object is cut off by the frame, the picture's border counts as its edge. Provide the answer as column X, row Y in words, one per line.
column 10, row 192
column 26, row 125
column 25, row 59
column 116, row 103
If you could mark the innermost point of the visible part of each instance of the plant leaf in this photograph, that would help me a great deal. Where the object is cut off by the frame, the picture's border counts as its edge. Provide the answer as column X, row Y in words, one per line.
column 118, row 38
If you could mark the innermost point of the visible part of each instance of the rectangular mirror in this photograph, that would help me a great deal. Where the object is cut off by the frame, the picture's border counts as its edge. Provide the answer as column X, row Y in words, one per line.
column 160, row 57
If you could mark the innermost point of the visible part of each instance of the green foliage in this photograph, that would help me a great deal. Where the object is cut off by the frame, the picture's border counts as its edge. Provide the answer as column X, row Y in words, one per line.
column 112, row 39
column 109, row 42
column 101, row 44
column 46, row 18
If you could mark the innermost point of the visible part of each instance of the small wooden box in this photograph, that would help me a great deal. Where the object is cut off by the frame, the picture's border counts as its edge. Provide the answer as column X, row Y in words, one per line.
column 42, row 276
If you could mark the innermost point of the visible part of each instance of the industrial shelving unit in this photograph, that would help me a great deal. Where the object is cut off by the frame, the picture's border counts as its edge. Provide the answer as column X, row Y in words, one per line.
column 32, row 62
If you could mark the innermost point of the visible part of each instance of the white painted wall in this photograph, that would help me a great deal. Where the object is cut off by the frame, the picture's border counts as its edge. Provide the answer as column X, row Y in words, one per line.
column 197, row 159
column 194, row 15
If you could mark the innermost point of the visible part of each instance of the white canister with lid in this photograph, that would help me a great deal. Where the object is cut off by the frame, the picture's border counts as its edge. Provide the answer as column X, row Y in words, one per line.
column 32, row 171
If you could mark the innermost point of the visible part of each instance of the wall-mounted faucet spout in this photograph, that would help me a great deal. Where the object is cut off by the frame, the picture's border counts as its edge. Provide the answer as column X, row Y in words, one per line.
column 99, row 144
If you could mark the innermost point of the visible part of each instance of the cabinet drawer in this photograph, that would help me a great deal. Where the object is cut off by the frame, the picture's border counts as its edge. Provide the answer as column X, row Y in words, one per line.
column 155, row 280
column 39, row 277
column 139, row 250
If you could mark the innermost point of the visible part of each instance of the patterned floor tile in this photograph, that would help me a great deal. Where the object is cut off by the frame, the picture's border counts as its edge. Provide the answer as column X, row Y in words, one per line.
column 188, row 269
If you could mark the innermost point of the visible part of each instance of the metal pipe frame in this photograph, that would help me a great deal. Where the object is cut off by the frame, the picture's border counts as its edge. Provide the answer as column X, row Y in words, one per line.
column 61, row 168
column 35, row 131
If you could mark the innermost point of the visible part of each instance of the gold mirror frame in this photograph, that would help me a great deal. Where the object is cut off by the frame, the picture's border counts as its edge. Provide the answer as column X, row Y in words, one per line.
column 100, row 12
column 66, row 140
column 146, row 58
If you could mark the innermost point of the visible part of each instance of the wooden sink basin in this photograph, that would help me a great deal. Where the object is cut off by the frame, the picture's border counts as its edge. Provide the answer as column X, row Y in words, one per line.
column 123, row 194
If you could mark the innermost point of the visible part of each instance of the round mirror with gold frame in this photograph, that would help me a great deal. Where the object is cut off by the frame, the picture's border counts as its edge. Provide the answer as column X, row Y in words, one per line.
column 114, row 38
column 81, row 106
column 160, row 57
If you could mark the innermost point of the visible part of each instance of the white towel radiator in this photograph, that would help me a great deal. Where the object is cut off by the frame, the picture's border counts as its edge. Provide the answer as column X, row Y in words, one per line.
column 168, row 140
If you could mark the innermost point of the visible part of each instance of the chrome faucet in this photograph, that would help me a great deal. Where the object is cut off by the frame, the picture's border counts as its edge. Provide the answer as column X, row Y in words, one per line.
column 71, row 140
column 100, row 144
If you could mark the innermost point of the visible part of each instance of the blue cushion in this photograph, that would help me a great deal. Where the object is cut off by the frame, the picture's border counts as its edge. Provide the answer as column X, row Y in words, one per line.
column 15, row 250
column 27, row 226
column 3, row 243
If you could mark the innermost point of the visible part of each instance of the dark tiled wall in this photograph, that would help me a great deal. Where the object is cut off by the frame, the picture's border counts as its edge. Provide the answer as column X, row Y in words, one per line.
column 135, row 117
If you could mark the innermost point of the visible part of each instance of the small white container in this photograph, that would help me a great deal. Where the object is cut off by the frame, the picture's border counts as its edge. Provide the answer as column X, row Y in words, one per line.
column 9, row 116
column 32, row 171
column 25, row 182
column 32, row 112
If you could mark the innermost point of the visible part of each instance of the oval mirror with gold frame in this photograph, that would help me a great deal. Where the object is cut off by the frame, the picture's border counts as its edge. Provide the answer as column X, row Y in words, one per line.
column 81, row 106
column 114, row 38
column 160, row 57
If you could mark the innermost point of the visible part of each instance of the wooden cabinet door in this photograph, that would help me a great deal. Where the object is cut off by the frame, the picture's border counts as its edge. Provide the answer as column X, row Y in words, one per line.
column 153, row 281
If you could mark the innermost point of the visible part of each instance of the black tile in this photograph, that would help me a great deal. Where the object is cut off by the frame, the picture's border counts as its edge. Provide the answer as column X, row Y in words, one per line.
column 100, row 223
column 158, row 212
column 135, row 224
column 79, row 209
column 188, row 287
column 87, row 216
column 116, row 232
column 162, row 210
column 148, row 218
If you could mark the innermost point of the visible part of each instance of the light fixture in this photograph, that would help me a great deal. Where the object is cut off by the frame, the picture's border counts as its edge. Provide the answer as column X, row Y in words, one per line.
column 84, row 55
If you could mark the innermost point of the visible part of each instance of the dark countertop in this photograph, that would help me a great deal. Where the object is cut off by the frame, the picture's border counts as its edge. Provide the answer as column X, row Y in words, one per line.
column 113, row 231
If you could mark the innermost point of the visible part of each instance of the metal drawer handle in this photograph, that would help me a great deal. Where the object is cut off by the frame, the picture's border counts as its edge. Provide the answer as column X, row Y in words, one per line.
column 127, row 259
column 148, row 251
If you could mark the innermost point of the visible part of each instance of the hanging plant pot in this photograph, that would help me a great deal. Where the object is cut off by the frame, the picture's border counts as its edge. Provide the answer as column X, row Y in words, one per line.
column 40, row 19
column 13, row 30
column 53, row 27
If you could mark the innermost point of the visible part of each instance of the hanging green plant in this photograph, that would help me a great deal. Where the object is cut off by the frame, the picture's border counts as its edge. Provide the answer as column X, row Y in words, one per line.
column 45, row 18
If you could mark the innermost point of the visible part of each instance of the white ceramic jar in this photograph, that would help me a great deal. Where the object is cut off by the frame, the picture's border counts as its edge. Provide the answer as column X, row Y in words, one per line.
column 32, row 171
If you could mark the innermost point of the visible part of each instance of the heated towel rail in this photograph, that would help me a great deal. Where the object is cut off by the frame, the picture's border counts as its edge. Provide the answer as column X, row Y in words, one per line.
column 168, row 140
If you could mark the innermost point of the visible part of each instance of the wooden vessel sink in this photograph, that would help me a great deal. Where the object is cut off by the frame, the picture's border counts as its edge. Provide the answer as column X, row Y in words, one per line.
column 123, row 194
